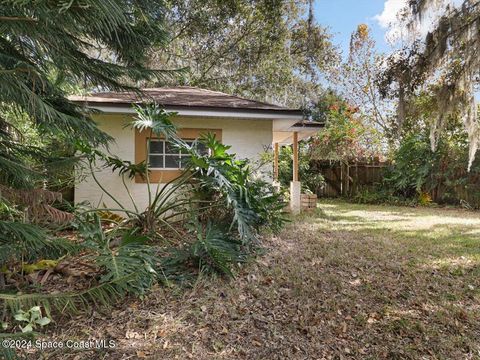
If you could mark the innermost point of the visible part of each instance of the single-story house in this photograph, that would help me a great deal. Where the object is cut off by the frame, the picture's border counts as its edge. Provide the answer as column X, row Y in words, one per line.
column 249, row 127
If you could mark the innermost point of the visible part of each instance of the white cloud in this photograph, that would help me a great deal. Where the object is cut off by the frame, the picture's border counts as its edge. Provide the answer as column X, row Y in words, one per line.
column 396, row 29
column 390, row 10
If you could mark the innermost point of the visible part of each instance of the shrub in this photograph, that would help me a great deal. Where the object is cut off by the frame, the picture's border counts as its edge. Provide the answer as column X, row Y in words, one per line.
column 441, row 176
column 212, row 251
column 379, row 194
column 412, row 165
column 215, row 186
column 312, row 180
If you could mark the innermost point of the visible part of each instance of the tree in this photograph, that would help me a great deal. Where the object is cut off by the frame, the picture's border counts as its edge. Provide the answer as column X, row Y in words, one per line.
column 445, row 55
column 356, row 80
column 266, row 50
column 42, row 43
column 345, row 137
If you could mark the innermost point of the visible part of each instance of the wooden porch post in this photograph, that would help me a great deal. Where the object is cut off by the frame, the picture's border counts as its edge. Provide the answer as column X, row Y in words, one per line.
column 295, row 156
column 295, row 186
column 275, row 162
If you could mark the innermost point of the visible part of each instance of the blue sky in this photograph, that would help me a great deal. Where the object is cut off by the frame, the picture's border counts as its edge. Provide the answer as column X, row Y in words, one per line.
column 343, row 16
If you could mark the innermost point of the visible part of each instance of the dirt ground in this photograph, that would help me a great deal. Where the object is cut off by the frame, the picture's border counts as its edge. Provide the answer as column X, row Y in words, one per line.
column 348, row 281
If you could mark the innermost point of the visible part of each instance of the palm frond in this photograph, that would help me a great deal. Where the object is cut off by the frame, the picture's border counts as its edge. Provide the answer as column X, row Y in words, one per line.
column 133, row 261
column 104, row 295
column 100, row 44
column 19, row 240
column 213, row 251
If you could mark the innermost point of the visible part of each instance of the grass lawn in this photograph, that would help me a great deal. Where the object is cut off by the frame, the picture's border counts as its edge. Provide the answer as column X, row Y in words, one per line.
column 350, row 281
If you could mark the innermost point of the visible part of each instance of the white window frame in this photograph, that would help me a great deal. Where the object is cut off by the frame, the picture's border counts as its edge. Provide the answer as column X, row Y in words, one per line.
column 164, row 154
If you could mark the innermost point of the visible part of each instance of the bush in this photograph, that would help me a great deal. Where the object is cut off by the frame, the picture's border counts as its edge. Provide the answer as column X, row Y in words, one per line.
column 217, row 193
column 214, row 187
column 312, row 180
column 412, row 166
column 378, row 194
column 440, row 176
column 212, row 251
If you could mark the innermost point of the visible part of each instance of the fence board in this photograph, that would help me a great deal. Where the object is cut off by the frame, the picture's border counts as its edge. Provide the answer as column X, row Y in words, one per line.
column 343, row 180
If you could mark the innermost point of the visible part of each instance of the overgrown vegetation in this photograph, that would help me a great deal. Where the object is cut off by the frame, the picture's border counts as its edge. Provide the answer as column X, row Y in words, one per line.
column 350, row 281
column 312, row 180
column 428, row 151
column 47, row 48
column 207, row 220
column 56, row 258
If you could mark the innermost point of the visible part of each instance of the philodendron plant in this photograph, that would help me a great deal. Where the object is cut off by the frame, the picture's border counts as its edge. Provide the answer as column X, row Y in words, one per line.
column 214, row 187
column 31, row 318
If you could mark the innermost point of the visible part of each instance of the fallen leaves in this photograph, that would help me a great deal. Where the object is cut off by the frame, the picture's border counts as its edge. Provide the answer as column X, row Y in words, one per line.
column 350, row 285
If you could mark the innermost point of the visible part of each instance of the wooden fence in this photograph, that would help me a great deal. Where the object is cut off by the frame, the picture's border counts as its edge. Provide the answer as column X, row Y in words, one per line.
column 346, row 179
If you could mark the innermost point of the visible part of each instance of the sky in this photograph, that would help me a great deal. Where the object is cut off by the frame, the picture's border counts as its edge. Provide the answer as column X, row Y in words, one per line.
column 343, row 16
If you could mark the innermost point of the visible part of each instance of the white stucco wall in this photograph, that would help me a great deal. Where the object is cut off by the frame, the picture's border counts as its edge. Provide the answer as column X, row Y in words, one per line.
column 248, row 138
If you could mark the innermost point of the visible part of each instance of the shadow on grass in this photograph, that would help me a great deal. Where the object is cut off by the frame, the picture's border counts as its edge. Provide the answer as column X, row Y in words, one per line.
column 404, row 281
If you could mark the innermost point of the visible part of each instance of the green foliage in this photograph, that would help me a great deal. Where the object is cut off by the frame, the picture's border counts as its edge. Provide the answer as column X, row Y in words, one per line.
column 32, row 317
column 43, row 158
column 268, row 204
column 104, row 295
column 370, row 196
column 29, row 242
column 212, row 251
column 122, row 253
column 125, row 267
column 443, row 57
column 345, row 136
column 266, row 50
column 312, row 180
column 214, row 186
column 154, row 119
column 217, row 178
column 422, row 176
column 229, row 184
column 380, row 194
column 225, row 180
column 44, row 44
column 413, row 163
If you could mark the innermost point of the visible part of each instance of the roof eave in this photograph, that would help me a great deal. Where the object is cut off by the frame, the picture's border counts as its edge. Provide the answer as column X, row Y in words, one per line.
column 124, row 108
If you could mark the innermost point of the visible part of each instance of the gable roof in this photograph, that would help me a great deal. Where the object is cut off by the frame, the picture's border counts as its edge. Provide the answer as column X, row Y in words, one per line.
column 182, row 97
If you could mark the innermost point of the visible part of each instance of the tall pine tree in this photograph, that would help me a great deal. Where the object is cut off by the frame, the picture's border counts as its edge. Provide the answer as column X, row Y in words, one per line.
column 43, row 43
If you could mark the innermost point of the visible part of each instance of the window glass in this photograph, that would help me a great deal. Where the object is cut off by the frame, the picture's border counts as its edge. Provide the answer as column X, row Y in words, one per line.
column 185, row 161
column 172, row 161
column 202, row 149
column 163, row 155
column 170, row 148
column 156, row 147
column 155, row 161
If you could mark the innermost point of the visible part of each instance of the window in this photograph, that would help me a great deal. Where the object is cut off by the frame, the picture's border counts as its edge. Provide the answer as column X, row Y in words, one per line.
column 163, row 155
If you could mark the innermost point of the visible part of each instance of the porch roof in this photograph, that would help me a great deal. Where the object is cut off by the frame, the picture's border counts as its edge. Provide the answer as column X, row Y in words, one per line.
column 304, row 130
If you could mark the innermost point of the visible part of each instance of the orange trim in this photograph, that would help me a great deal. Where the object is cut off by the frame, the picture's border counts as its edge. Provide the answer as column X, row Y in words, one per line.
column 164, row 176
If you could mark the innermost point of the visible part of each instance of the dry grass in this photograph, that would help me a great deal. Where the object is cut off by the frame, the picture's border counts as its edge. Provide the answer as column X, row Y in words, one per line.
column 351, row 281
